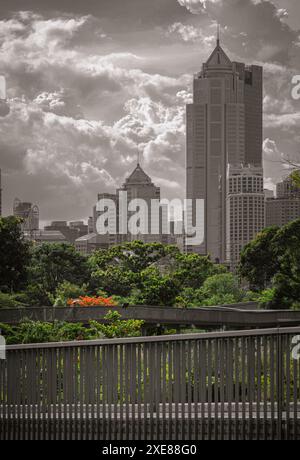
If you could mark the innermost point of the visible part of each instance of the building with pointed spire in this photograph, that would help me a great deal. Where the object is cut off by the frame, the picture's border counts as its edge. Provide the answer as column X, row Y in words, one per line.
column 138, row 185
column 224, row 126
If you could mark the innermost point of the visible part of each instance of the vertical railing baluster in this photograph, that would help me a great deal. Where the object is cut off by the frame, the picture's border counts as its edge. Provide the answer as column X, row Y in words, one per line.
column 196, row 388
column 279, row 384
column 274, row 406
column 164, row 390
column 237, row 386
column 258, row 385
column 170, row 389
column 190, row 345
column 146, row 388
column 209, row 388
column 295, row 397
column 222, row 381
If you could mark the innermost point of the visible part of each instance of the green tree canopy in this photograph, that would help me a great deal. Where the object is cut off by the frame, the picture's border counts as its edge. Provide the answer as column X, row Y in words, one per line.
column 273, row 260
column 221, row 289
column 286, row 282
column 14, row 254
column 133, row 256
column 259, row 262
column 150, row 274
column 191, row 270
column 54, row 263
column 296, row 177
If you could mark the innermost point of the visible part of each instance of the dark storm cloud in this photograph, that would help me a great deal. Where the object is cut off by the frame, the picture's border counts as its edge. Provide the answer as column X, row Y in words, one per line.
column 136, row 13
column 258, row 25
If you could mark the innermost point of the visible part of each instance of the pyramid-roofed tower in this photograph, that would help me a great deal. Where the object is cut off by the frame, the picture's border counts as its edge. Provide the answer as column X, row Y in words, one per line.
column 218, row 58
column 138, row 177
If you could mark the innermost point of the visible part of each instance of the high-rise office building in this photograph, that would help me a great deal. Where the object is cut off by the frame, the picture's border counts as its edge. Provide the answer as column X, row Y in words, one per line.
column 245, row 208
column 286, row 206
column 138, row 185
column 224, row 126
column 29, row 213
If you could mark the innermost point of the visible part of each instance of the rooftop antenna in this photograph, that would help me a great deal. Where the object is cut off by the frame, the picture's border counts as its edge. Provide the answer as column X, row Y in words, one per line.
column 218, row 34
column 138, row 157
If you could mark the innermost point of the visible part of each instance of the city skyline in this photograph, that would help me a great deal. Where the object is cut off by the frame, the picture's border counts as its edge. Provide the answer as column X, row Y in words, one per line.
column 88, row 84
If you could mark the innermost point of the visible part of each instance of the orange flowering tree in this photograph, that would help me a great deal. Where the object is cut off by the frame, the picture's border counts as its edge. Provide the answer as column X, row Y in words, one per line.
column 86, row 301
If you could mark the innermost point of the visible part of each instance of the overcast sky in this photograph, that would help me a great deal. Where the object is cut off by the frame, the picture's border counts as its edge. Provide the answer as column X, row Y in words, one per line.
column 89, row 81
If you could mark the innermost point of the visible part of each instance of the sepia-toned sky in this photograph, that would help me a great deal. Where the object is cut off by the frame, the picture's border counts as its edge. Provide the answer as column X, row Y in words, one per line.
column 89, row 82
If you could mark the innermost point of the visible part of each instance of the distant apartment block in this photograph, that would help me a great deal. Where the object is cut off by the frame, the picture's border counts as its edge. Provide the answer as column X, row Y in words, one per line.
column 91, row 242
column 245, row 208
column 70, row 231
column 285, row 207
column 45, row 236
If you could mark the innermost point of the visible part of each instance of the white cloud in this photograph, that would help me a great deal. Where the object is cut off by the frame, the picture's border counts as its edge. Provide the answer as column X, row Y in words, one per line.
column 283, row 121
column 274, row 163
column 196, row 6
column 190, row 33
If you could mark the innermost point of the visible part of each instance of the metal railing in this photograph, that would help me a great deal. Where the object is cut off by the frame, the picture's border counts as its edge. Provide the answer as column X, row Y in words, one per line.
column 232, row 385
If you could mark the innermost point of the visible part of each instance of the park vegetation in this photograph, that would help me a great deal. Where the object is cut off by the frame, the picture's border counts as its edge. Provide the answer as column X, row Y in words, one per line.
column 147, row 274
column 38, row 332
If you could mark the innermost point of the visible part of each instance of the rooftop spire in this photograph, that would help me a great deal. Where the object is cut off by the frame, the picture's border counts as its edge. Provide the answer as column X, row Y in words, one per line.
column 218, row 34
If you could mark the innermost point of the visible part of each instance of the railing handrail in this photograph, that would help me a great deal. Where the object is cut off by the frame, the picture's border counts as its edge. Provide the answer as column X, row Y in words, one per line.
column 160, row 338
column 163, row 307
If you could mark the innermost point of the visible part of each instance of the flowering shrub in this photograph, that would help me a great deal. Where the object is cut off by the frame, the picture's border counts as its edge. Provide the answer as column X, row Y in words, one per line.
column 86, row 301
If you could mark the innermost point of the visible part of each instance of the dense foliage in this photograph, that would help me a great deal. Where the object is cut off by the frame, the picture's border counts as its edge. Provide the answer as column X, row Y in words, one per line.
column 153, row 274
column 147, row 274
column 296, row 177
column 259, row 262
column 14, row 255
column 52, row 264
column 39, row 332
column 272, row 261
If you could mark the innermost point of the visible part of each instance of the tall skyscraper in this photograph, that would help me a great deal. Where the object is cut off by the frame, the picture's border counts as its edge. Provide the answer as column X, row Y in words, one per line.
column 286, row 206
column 224, row 126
